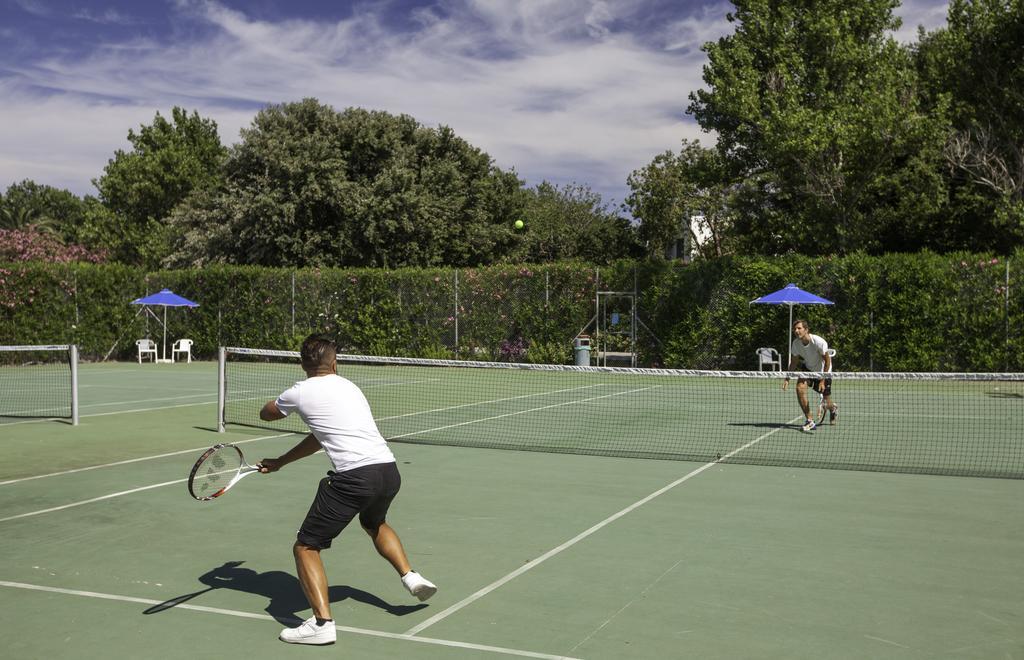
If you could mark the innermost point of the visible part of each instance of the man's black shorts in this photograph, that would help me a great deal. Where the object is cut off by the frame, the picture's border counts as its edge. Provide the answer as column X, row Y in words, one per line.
column 366, row 491
column 812, row 383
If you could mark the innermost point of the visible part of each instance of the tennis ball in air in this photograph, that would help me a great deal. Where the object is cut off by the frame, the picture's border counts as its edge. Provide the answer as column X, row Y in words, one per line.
column 519, row 224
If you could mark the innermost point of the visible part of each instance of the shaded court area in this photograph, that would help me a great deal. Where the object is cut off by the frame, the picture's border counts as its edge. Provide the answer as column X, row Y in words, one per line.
column 536, row 554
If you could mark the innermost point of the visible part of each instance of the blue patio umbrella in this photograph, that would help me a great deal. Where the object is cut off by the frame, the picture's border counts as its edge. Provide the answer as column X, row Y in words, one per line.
column 791, row 295
column 165, row 298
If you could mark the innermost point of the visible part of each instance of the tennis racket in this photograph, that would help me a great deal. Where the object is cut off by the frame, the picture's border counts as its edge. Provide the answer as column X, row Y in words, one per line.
column 218, row 469
column 822, row 406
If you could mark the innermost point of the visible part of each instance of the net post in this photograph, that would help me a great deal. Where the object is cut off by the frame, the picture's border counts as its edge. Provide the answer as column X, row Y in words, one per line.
column 221, row 385
column 456, row 313
column 74, row 384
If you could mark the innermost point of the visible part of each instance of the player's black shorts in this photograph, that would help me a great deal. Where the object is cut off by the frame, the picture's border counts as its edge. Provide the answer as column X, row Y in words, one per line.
column 366, row 491
column 812, row 383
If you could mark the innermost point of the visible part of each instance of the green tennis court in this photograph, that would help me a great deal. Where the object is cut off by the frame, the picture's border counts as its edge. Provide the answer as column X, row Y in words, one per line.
column 541, row 554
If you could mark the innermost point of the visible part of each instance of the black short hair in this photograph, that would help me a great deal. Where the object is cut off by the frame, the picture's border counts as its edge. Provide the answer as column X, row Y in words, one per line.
column 317, row 350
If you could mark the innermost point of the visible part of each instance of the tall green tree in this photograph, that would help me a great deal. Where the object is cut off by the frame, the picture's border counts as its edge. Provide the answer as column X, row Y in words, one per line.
column 572, row 222
column 59, row 214
column 45, row 208
column 169, row 160
column 686, row 193
column 44, row 223
column 311, row 186
column 974, row 65
column 818, row 110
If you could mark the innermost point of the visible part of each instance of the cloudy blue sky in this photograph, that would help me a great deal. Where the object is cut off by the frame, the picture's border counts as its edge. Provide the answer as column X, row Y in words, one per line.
column 559, row 90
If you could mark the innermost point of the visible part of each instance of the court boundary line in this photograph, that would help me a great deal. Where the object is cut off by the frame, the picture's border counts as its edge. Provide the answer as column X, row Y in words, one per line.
column 485, row 403
column 267, row 617
column 523, row 412
column 115, row 412
column 533, row 563
column 388, row 418
column 625, row 607
column 82, row 406
column 108, row 496
column 93, row 499
column 138, row 460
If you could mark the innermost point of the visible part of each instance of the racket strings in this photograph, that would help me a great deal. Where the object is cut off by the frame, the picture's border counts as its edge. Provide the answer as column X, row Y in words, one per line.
column 216, row 472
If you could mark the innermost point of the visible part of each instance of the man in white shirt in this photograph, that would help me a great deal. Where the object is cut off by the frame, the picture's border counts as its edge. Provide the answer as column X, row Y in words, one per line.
column 364, row 481
column 812, row 351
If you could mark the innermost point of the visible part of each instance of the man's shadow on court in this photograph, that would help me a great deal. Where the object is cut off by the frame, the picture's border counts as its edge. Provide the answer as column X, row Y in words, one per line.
column 283, row 590
column 766, row 425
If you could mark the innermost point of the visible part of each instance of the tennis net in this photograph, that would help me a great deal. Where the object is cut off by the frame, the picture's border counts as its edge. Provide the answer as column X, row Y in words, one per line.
column 39, row 381
column 947, row 424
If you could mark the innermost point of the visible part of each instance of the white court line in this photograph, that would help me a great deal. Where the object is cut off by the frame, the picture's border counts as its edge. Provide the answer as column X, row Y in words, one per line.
column 267, row 617
column 266, row 437
column 37, row 421
column 440, row 616
column 137, row 410
column 115, row 412
column 269, row 391
column 169, row 483
column 464, row 405
column 119, row 403
column 522, row 412
column 137, row 460
column 104, row 497
column 94, row 499
column 483, row 403
column 400, row 382
column 91, row 372
column 625, row 607
column 160, row 398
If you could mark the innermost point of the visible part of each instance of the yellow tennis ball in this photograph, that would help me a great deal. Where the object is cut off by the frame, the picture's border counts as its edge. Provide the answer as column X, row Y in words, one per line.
column 519, row 224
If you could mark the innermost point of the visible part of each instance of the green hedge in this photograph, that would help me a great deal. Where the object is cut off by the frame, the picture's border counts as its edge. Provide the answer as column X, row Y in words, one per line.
column 920, row 312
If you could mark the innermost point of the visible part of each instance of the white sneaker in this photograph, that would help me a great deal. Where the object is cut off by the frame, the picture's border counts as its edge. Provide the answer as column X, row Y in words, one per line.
column 310, row 633
column 418, row 585
column 809, row 426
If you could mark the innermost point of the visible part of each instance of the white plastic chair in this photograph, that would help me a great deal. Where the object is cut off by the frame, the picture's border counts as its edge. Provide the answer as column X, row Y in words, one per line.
column 147, row 347
column 182, row 346
column 770, row 357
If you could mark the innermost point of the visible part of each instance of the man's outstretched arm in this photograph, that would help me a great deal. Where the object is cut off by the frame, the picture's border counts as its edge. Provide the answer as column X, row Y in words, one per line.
column 306, row 447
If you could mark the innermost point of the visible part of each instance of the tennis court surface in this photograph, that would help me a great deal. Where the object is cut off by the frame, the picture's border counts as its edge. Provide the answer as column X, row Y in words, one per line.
column 671, row 518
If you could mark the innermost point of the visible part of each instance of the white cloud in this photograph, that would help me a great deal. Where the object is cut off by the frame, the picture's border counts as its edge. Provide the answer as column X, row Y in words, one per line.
column 553, row 88
column 66, row 141
column 596, row 20
column 34, row 7
column 547, row 87
column 929, row 14
column 692, row 32
column 107, row 16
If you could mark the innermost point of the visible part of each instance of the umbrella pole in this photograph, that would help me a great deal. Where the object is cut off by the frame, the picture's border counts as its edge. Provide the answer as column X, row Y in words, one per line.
column 165, row 330
column 789, row 338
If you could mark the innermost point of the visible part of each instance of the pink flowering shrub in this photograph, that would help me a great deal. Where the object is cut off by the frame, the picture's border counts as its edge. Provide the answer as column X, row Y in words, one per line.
column 31, row 245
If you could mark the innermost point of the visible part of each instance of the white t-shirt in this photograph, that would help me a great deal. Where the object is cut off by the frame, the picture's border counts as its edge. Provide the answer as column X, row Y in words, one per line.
column 813, row 352
column 338, row 414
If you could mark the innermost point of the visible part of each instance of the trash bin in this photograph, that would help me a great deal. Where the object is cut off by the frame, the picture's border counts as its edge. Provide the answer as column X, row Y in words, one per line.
column 581, row 349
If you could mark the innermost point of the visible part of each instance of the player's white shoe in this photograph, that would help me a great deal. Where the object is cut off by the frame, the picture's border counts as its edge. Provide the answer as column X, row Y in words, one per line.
column 809, row 426
column 310, row 633
column 418, row 585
